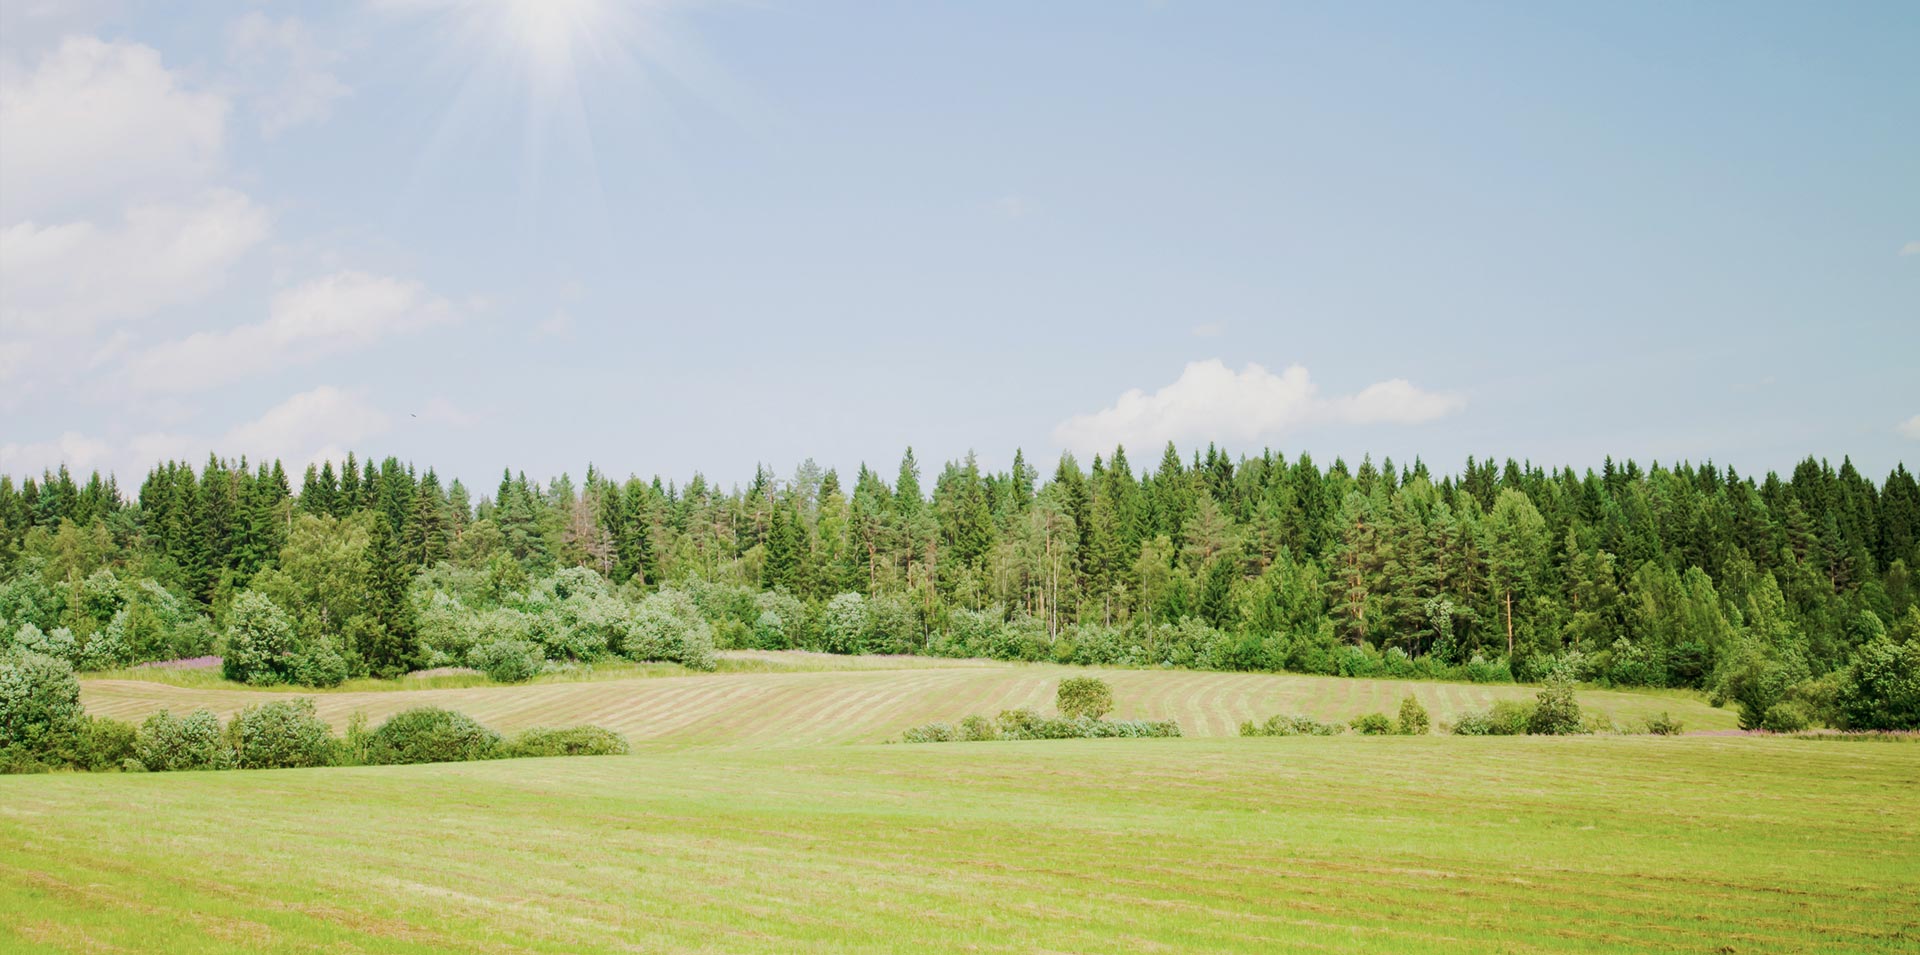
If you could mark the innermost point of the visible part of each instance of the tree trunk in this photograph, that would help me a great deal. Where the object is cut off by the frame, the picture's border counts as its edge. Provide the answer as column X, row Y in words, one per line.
column 1509, row 627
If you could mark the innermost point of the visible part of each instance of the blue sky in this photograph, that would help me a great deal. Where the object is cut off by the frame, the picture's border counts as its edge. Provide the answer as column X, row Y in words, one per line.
column 689, row 236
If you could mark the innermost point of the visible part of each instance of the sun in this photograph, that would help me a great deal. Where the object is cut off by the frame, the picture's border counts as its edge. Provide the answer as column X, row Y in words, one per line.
column 548, row 34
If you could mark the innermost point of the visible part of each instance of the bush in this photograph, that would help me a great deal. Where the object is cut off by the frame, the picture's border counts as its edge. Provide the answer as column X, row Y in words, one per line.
column 930, row 733
column 103, row 744
column 1373, row 724
column 1881, row 690
column 1664, row 725
column 319, row 665
column 976, row 729
column 1785, row 717
column 260, row 643
column 1086, row 696
column 507, row 661
column 668, row 626
column 168, row 743
column 1504, row 718
column 39, row 703
column 429, row 734
column 568, row 741
column 1555, row 711
column 1413, row 718
column 1291, row 726
column 284, row 734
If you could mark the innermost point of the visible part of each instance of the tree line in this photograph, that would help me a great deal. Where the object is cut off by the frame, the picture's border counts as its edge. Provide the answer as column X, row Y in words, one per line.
column 1766, row 591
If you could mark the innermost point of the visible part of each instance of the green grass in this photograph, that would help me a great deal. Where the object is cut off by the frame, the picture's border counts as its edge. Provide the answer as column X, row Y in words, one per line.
column 757, row 815
column 808, row 699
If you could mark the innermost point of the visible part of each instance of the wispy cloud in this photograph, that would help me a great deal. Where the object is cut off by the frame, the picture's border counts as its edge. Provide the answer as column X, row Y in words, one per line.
column 1211, row 402
column 1911, row 248
column 327, row 316
column 1209, row 329
column 1910, row 428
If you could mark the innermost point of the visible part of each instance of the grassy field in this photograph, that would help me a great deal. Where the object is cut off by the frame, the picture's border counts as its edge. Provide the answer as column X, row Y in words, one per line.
column 796, row 833
column 807, row 699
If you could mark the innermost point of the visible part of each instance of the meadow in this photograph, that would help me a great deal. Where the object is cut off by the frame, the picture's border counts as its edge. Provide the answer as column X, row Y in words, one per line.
column 760, row 812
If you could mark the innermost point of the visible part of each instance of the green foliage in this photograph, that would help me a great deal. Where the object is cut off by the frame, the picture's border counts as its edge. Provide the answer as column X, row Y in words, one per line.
column 1413, row 718
column 1373, row 724
column 1504, row 718
column 260, row 647
column 1664, row 725
column 507, row 661
column 281, row 735
column 102, row 744
column 1084, row 696
column 1881, row 689
column 1291, row 726
column 568, row 741
column 39, row 704
column 168, row 743
column 1556, row 712
column 429, row 734
column 1024, row 724
column 1786, row 716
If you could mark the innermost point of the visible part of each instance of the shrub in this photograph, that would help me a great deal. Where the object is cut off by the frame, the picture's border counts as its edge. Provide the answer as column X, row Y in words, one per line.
column 57, row 643
column 39, row 703
column 507, row 661
column 976, row 729
column 567, row 741
column 1291, row 726
column 168, row 743
column 930, row 733
column 1555, row 711
column 1504, row 718
column 1086, row 696
column 1413, row 718
column 1373, row 724
column 1664, row 725
column 103, row 744
column 429, row 734
column 284, row 734
column 260, row 644
column 1786, row 716
column 319, row 665
column 668, row 626
column 844, row 625
column 1881, row 690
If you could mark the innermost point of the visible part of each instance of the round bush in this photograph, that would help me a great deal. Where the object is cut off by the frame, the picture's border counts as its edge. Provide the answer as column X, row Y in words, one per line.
column 1086, row 696
column 1373, row 724
column 167, row 743
column 507, row 661
column 39, row 702
column 429, row 734
column 260, row 642
column 1785, row 717
column 284, row 734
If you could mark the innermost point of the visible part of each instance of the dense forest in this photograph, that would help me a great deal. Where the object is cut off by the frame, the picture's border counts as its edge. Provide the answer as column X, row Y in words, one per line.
column 1791, row 596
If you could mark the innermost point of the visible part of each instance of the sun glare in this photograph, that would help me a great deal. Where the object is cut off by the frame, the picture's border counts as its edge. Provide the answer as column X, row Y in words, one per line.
column 547, row 33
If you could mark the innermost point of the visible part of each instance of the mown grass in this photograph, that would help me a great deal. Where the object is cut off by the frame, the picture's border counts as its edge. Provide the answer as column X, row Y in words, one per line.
column 1404, row 845
column 804, row 699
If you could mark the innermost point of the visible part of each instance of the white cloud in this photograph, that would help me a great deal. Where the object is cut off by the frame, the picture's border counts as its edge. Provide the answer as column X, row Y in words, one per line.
column 1911, row 248
column 1209, row 329
column 290, row 81
column 307, row 427
column 1211, row 402
column 77, row 451
column 327, row 316
column 1910, row 428
column 96, row 120
column 73, row 275
column 1394, row 402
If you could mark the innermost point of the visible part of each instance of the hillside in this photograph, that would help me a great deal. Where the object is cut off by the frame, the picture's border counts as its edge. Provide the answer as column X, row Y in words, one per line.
column 873, row 699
